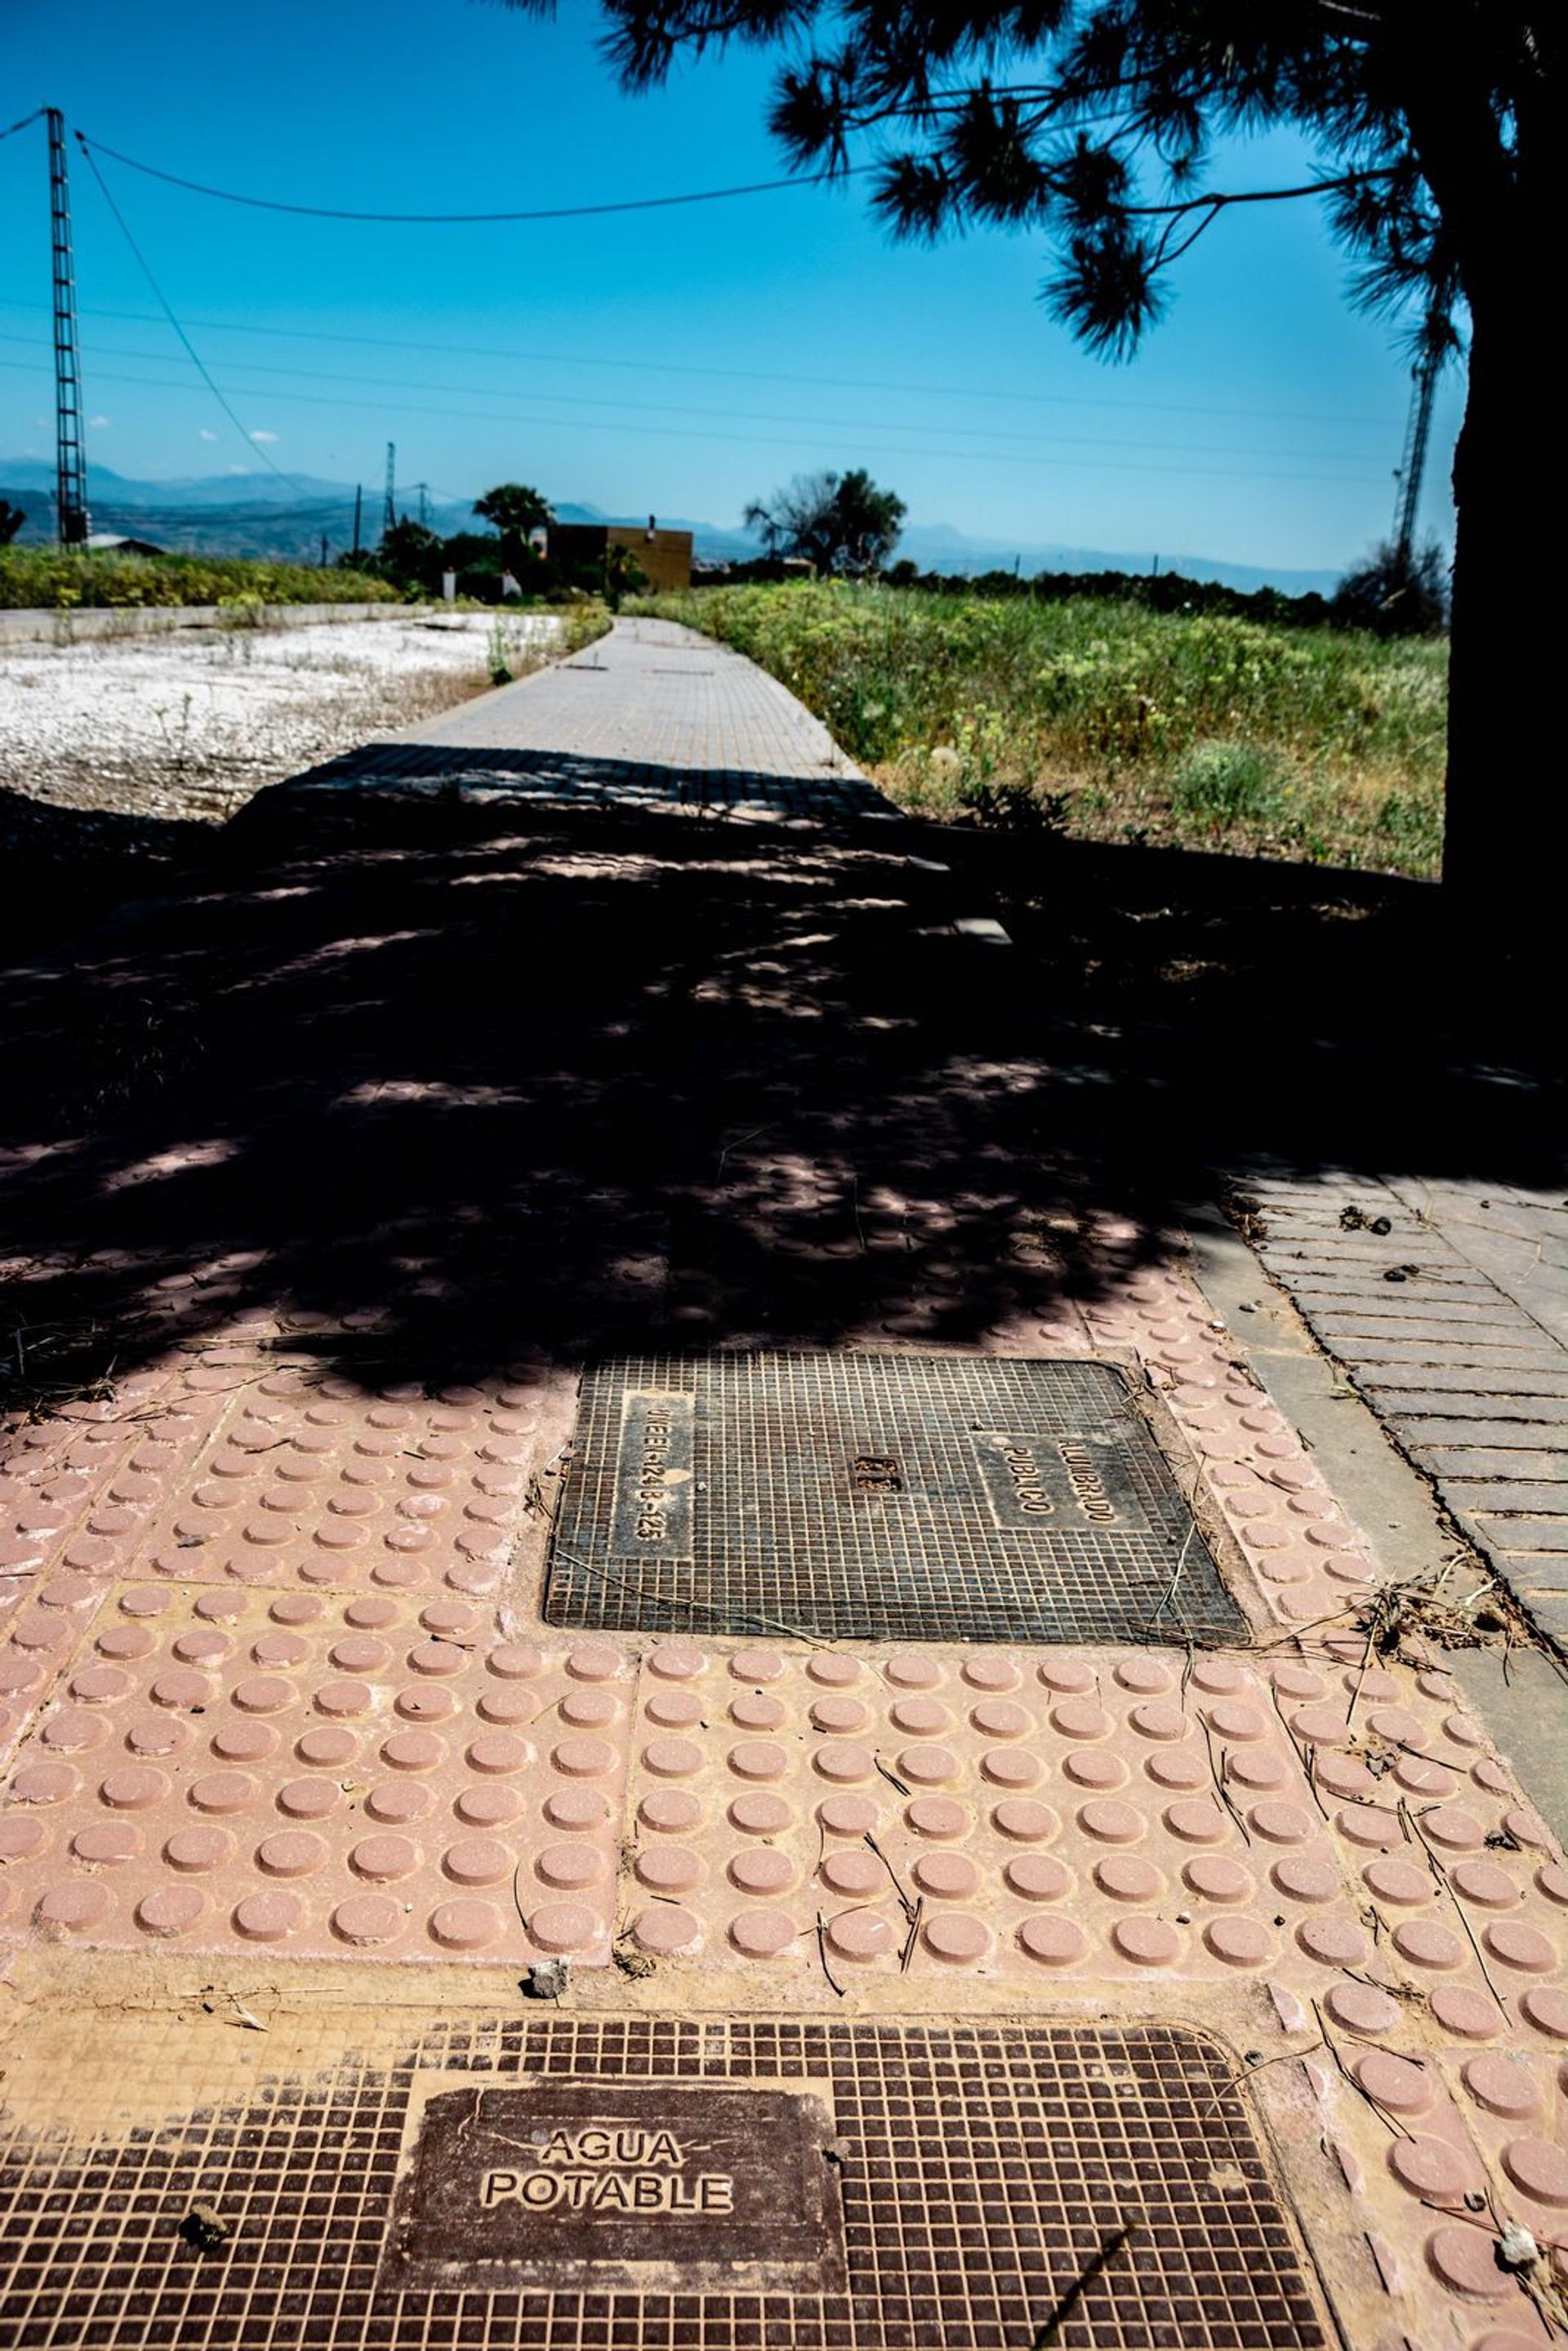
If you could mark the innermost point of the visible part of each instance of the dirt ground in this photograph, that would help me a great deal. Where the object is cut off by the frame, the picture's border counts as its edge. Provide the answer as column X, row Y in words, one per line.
column 119, row 755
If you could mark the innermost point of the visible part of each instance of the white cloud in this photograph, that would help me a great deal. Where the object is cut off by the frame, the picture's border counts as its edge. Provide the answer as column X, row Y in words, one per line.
column 264, row 436
column 98, row 422
column 204, row 435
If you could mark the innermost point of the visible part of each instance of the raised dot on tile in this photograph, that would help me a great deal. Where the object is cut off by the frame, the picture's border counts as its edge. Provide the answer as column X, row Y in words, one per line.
column 1363, row 2008
column 956, row 1937
column 1061, row 1672
column 195, row 1850
column 1464, row 2259
column 759, row 1869
column 1502, row 2084
column 269, row 1918
column 1081, row 1718
column 761, row 1934
column 572, row 1808
column 761, row 1814
column 859, row 1935
column 757, row 1665
column 469, row 1925
column 291, row 1853
column 758, row 1759
column 990, row 1671
column 1037, row 1877
column 75, row 1906
column 308, row 1799
column 1540, row 2167
column 843, row 1764
column 170, row 1910
column 1427, row 1945
column 846, row 1816
column 1110, row 1823
column 396, row 1802
column 1467, row 2015
column 1216, row 1878
column 1333, row 1942
column 1147, row 1942
column 854, row 1872
column 1128, row 1878
column 1055, row 1942
column 102, row 1844
column 1547, row 2010
column 666, row 1929
column 1024, row 1821
column 676, row 1663
column 1431, row 2169
column 1239, row 1942
column 1404, row 2087
column 832, row 1671
column 367, row 1918
column 949, row 1876
column 1012, row 1767
column 1519, row 1945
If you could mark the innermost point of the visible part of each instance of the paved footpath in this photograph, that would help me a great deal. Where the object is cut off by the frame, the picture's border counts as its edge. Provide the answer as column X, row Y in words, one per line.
column 416, row 1940
column 1446, row 1303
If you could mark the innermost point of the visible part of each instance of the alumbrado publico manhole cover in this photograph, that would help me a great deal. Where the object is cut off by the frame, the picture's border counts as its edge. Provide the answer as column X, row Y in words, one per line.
column 878, row 1497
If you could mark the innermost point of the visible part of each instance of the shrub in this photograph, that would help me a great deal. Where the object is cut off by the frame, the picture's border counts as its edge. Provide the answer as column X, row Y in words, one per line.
column 1223, row 781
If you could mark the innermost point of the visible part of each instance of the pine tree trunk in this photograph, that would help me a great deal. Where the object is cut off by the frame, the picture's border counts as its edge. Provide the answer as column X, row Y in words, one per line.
column 1505, row 861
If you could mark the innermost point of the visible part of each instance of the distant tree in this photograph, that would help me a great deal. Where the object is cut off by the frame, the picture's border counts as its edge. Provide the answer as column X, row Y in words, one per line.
column 515, row 511
column 1400, row 592
column 624, row 575
column 841, row 522
column 409, row 555
column 11, row 520
column 1092, row 122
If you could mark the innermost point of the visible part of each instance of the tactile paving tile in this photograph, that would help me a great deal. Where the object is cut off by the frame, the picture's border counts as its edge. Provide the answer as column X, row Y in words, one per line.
column 1073, row 1814
column 312, row 1777
column 314, row 1481
column 876, row 1497
column 983, row 2169
column 79, row 1483
column 1309, row 1560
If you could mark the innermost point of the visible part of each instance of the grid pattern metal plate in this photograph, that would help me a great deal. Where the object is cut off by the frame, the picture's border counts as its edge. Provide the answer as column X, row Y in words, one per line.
column 876, row 1498
column 984, row 2169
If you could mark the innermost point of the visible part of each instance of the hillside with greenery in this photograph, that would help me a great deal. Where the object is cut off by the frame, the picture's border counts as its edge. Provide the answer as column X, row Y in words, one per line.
column 1111, row 721
column 52, row 578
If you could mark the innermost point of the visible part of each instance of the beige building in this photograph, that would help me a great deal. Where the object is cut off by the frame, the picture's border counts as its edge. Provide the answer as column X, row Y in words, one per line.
column 664, row 556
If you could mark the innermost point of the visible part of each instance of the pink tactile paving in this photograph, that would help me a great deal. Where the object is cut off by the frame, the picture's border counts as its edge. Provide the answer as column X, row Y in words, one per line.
column 1114, row 1814
column 235, row 1771
column 312, row 1481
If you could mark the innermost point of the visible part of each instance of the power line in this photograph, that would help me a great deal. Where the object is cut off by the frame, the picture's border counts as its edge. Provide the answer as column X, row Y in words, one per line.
column 753, row 440
column 15, row 126
column 469, row 220
column 762, row 415
column 167, row 309
column 739, row 375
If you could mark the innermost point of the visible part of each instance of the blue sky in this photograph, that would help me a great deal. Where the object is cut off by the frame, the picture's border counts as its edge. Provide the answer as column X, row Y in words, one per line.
column 680, row 360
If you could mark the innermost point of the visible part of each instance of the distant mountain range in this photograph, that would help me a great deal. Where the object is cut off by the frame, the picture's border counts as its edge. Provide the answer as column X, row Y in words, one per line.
column 287, row 517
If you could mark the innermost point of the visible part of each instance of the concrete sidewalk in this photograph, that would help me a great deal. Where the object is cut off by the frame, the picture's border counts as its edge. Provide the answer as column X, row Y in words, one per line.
column 666, row 1682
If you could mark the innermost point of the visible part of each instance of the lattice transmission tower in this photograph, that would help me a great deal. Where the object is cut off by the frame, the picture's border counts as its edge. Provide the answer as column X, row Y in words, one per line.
column 1413, row 463
column 389, row 516
column 71, row 446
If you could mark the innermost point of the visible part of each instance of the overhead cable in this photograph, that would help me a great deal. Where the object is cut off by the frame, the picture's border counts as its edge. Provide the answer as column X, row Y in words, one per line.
column 470, row 220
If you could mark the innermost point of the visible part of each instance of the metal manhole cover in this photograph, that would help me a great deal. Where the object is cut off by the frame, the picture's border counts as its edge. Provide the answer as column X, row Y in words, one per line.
column 574, row 2184
column 876, row 1498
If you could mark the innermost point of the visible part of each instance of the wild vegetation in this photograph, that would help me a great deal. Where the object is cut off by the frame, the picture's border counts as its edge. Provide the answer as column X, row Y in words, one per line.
column 55, row 578
column 1108, row 720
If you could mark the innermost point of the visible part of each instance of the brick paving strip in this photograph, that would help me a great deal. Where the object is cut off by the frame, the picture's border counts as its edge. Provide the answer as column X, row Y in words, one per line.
column 1132, row 1994
column 1446, row 1303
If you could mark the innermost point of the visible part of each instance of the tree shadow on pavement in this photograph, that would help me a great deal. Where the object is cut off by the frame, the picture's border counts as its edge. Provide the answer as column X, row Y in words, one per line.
column 475, row 1061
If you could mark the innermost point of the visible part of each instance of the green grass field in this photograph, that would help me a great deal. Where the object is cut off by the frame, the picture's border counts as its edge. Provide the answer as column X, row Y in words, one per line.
column 1112, row 722
column 47, row 578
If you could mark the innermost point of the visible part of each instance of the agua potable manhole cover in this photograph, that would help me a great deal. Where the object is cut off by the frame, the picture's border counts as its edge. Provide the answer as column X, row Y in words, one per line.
column 667, row 2184
column 878, row 1497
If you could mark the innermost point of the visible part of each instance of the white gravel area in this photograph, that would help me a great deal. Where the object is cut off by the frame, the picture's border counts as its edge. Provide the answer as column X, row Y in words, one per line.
column 192, row 723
